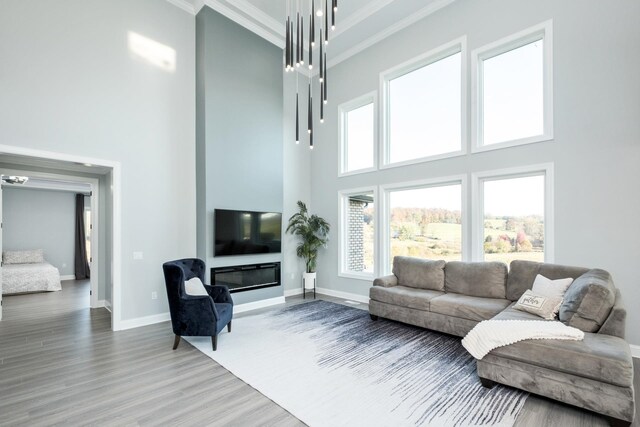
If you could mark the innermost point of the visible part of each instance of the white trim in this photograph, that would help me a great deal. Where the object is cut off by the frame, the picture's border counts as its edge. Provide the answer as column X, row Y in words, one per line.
column 343, row 110
column 544, row 32
column 635, row 350
column 117, row 214
column 103, row 303
column 477, row 193
column 293, row 292
column 249, row 24
column 400, row 25
column 256, row 13
column 358, row 16
column 249, row 306
column 342, row 233
column 144, row 321
column 68, row 277
column 343, row 295
column 385, row 213
column 184, row 5
column 432, row 56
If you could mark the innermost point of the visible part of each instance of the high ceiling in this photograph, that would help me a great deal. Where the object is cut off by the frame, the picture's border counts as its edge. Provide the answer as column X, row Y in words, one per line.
column 359, row 23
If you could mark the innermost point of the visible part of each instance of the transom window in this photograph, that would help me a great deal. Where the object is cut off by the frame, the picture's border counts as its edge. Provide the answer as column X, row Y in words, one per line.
column 358, row 135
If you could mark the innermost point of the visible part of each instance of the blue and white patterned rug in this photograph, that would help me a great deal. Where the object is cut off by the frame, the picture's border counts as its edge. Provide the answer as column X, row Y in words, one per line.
column 330, row 365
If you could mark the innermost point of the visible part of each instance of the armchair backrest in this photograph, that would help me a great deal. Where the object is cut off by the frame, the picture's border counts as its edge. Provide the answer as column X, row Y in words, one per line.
column 175, row 274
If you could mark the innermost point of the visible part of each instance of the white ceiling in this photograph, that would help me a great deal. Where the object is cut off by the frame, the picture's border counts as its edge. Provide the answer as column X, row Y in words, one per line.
column 359, row 23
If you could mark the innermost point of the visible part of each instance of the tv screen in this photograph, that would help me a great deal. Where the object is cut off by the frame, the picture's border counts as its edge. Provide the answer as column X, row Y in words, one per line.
column 247, row 232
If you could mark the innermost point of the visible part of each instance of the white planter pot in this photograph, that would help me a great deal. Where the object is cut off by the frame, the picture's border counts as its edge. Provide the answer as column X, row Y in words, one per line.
column 309, row 280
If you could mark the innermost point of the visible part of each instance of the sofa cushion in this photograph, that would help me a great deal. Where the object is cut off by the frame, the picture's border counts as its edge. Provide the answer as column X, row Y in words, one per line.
column 478, row 279
column 599, row 357
column 419, row 273
column 523, row 273
column 404, row 296
column 588, row 301
column 468, row 307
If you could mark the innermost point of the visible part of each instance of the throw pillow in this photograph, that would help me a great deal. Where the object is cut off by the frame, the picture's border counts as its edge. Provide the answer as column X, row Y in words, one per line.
column 35, row 256
column 194, row 287
column 551, row 288
column 543, row 306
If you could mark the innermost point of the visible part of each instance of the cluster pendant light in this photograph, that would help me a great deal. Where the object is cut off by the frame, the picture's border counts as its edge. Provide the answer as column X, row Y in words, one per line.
column 294, row 53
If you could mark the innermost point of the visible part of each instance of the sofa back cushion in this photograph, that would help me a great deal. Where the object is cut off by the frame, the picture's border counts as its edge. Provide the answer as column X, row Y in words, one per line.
column 523, row 273
column 588, row 301
column 419, row 273
column 477, row 279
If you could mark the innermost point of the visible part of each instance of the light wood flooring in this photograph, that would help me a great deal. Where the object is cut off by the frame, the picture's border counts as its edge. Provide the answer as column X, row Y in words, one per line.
column 60, row 364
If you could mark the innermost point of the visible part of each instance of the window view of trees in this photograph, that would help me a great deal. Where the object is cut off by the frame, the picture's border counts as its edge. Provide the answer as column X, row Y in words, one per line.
column 426, row 223
column 514, row 219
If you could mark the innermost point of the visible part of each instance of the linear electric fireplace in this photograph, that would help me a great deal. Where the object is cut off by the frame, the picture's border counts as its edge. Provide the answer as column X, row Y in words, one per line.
column 240, row 278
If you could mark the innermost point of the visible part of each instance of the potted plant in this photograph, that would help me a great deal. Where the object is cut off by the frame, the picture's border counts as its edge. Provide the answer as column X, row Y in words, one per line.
column 313, row 232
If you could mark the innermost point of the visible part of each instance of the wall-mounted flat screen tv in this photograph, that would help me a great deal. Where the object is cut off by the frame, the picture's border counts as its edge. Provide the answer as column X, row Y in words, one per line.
column 247, row 232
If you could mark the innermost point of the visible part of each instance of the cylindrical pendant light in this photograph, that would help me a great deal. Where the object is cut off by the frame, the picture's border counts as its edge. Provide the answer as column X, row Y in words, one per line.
column 298, row 40
column 310, row 42
column 321, row 59
column 301, row 40
column 326, row 21
column 297, row 120
column 313, row 23
column 333, row 16
column 309, row 113
column 324, row 94
column 321, row 103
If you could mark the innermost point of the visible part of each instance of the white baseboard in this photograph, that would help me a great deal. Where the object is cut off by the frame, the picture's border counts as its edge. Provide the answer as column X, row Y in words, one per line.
column 343, row 295
column 68, row 277
column 635, row 351
column 144, row 321
column 103, row 303
column 330, row 293
column 293, row 292
column 241, row 308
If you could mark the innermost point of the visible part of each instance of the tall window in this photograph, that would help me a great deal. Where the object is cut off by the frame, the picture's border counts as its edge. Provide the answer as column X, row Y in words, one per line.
column 514, row 216
column 357, row 229
column 426, row 222
column 357, row 135
column 423, row 107
column 514, row 89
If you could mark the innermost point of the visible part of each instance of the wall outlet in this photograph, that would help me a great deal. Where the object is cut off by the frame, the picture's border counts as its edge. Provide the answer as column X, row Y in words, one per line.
column 154, row 295
column 137, row 255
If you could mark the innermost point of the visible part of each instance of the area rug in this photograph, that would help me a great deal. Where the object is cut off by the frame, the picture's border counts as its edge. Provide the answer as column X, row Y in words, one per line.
column 330, row 365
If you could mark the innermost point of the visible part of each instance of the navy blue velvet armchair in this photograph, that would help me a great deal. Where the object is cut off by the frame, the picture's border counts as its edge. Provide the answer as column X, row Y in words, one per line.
column 196, row 315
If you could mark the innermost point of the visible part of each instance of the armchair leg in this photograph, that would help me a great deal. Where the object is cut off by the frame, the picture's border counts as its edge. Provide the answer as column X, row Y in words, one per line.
column 214, row 342
column 229, row 326
column 176, row 341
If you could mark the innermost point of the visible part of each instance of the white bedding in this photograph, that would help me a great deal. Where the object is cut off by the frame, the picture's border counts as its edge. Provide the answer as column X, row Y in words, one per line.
column 19, row 278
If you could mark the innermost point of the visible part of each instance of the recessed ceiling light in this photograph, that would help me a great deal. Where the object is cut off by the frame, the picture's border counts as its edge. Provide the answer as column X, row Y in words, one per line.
column 88, row 165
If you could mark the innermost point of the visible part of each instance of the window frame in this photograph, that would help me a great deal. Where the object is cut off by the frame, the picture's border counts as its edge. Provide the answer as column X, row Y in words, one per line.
column 385, row 213
column 542, row 31
column 478, row 180
column 458, row 45
column 343, row 195
column 343, row 110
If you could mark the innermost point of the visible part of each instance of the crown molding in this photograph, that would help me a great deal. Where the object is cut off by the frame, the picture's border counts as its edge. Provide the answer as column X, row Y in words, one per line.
column 267, row 20
column 184, row 5
column 248, row 23
column 359, row 16
column 387, row 32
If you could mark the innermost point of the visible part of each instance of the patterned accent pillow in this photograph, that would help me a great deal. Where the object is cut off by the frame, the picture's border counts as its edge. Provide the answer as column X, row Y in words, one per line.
column 23, row 257
column 543, row 306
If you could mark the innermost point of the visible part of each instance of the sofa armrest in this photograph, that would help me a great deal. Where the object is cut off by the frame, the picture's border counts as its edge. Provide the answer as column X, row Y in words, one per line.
column 616, row 322
column 386, row 281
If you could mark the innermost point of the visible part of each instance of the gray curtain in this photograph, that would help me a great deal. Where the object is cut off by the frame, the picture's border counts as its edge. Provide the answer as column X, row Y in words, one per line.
column 81, row 261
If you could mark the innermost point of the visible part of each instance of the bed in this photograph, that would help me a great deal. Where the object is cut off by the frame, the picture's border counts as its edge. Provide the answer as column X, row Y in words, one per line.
column 27, row 271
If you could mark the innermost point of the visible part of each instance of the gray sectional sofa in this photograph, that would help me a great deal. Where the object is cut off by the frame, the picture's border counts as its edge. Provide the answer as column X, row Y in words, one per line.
column 595, row 373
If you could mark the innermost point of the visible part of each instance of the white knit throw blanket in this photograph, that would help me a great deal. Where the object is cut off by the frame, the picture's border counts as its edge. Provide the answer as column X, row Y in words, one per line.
column 490, row 334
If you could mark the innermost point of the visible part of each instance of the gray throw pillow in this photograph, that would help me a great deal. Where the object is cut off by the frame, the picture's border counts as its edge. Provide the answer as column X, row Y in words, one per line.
column 588, row 301
column 419, row 273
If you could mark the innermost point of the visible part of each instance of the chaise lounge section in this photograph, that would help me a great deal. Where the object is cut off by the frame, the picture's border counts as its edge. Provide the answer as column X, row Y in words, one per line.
column 595, row 374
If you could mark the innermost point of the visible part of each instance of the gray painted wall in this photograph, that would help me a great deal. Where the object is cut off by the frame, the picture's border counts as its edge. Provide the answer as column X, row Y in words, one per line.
column 70, row 84
column 239, row 132
column 595, row 151
column 39, row 219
